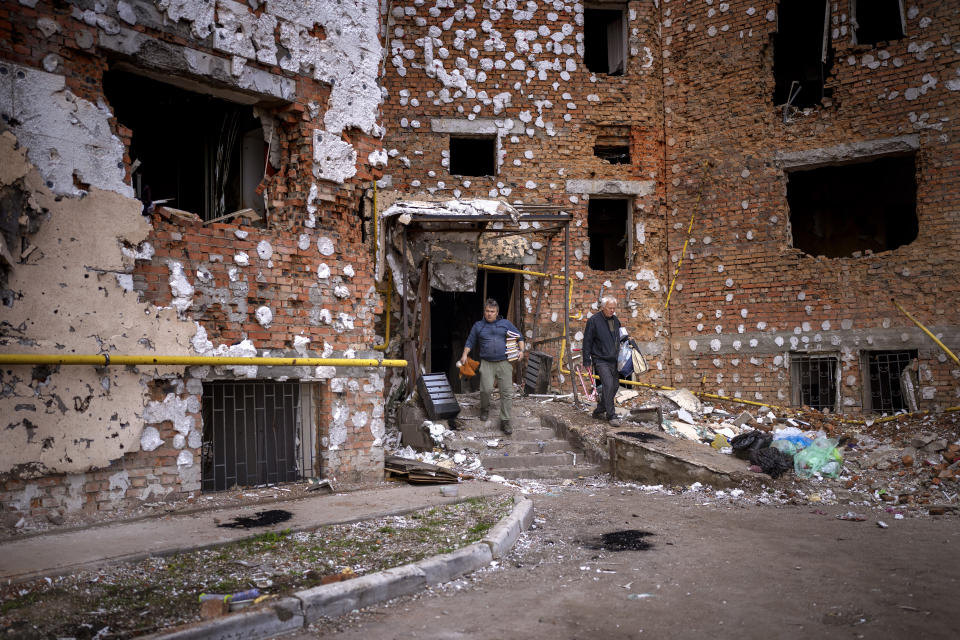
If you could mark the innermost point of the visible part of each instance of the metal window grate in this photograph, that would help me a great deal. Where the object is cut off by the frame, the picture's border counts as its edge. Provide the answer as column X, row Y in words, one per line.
column 886, row 394
column 815, row 381
column 252, row 434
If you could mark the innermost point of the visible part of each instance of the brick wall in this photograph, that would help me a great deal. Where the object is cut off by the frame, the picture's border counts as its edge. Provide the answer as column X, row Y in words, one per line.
column 697, row 97
column 310, row 222
column 549, row 110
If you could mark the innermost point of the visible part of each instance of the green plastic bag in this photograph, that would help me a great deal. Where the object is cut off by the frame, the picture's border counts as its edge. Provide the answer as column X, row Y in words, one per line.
column 821, row 457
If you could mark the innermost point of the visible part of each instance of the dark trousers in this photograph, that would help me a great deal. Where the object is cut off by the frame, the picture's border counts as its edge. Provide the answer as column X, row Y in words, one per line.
column 609, row 381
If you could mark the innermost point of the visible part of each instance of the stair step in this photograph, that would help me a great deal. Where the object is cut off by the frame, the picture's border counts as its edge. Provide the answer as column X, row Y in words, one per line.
column 493, row 462
column 551, row 473
column 510, row 446
column 519, row 433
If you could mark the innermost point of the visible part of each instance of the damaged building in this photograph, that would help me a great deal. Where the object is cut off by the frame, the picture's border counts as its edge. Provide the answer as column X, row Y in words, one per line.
column 760, row 184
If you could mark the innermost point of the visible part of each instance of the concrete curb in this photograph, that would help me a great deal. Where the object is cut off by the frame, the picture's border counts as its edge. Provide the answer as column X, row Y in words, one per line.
column 303, row 607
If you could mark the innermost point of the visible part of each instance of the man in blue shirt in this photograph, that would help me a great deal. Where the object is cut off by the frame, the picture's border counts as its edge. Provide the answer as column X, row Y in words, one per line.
column 489, row 338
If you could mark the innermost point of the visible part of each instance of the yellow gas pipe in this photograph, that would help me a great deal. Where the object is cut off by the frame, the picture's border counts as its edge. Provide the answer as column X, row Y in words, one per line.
column 105, row 359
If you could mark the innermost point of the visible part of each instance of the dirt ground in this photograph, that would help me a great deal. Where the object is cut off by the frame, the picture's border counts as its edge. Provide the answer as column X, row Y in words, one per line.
column 715, row 567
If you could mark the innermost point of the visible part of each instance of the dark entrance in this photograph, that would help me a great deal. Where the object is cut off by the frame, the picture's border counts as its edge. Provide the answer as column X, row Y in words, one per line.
column 452, row 313
column 249, row 433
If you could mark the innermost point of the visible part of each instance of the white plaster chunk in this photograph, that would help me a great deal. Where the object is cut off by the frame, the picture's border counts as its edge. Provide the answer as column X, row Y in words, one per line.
column 303, row 242
column 150, row 439
column 325, row 246
column 333, row 159
column 64, row 135
column 264, row 316
column 349, row 271
column 184, row 459
column 173, row 409
column 264, row 250
column 180, row 288
column 241, row 258
column 323, row 271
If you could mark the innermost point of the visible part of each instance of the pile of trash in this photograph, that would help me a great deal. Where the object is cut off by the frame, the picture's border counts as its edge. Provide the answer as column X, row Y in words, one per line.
column 771, row 444
column 466, row 464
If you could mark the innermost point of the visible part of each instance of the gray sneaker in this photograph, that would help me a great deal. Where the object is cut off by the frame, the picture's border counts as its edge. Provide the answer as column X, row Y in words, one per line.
column 615, row 422
column 484, row 414
column 505, row 426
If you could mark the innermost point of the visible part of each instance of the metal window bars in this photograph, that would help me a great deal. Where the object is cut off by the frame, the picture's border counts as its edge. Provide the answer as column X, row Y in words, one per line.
column 815, row 381
column 253, row 434
column 885, row 367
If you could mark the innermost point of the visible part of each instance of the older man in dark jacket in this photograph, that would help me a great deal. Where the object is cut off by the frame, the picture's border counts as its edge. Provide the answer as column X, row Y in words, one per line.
column 601, row 344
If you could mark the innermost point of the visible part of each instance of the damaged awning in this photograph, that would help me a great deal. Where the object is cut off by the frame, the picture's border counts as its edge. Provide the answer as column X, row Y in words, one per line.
column 461, row 242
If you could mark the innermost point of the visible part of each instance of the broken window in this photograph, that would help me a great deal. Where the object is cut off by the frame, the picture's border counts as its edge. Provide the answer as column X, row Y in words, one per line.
column 605, row 39
column 840, row 210
column 802, row 55
column 613, row 145
column 888, row 387
column 608, row 227
column 190, row 151
column 876, row 21
column 252, row 434
column 814, row 380
column 473, row 155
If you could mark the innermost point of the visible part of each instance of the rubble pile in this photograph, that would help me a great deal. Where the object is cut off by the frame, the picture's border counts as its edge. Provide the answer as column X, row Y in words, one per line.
column 906, row 460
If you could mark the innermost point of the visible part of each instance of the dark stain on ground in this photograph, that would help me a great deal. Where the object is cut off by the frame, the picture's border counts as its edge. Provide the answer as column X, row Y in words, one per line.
column 259, row 519
column 642, row 436
column 626, row 540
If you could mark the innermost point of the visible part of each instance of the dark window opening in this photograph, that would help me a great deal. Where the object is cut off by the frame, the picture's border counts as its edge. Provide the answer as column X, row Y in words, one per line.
column 840, row 210
column 886, row 389
column 609, row 233
column 195, row 152
column 802, row 55
column 814, row 381
column 613, row 144
column 475, row 156
column 453, row 313
column 878, row 21
column 252, row 434
column 605, row 40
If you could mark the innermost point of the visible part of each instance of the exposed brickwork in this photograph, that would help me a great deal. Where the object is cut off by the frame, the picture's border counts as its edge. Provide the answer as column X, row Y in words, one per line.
column 698, row 90
column 336, row 311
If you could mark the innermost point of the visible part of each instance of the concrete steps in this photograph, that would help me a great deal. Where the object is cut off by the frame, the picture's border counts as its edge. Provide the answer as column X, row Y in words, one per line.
column 532, row 451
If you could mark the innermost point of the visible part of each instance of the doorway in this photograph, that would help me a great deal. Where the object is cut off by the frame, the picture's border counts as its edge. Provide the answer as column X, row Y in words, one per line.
column 452, row 315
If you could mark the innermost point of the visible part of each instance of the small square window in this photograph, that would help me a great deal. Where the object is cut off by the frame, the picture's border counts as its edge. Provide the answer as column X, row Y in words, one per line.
column 473, row 156
column 877, row 21
column 612, row 144
column 814, row 380
column 608, row 227
column 605, row 40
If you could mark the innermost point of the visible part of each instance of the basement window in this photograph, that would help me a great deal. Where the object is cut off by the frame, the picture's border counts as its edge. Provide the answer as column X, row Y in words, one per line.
column 253, row 433
column 802, row 55
column 886, row 390
column 605, row 39
column 876, row 21
column 608, row 228
column 192, row 151
column 473, row 155
column 842, row 210
column 814, row 379
column 613, row 145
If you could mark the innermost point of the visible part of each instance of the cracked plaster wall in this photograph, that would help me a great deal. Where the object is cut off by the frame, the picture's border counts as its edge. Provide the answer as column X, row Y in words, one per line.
column 68, row 297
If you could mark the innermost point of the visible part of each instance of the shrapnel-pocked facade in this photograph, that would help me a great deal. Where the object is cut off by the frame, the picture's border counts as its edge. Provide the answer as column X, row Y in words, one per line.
column 758, row 183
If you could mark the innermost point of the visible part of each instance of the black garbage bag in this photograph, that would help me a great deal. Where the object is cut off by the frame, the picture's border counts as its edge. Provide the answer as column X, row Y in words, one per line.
column 744, row 443
column 773, row 461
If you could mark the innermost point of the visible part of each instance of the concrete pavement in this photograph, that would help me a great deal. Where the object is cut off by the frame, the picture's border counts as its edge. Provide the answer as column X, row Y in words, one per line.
column 56, row 553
